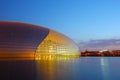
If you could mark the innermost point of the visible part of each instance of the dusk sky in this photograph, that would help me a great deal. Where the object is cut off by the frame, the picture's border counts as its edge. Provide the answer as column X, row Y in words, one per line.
column 87, row 22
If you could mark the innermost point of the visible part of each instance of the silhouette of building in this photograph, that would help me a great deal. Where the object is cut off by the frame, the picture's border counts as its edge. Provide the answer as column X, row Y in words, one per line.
column 90, row 53
column 27, row 40
column 116, row 52
column 101, row 53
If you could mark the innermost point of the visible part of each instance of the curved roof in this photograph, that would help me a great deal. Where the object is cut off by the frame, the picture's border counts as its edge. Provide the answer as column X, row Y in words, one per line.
column 18, row 37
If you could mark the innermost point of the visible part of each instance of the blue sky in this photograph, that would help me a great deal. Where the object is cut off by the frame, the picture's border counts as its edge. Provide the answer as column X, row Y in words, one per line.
column 81, row 20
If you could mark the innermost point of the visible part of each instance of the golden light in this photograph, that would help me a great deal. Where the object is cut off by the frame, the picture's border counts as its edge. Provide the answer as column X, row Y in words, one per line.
column 56, row 44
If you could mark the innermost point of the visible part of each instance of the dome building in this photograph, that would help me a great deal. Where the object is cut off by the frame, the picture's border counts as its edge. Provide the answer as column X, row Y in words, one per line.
column 27, row 40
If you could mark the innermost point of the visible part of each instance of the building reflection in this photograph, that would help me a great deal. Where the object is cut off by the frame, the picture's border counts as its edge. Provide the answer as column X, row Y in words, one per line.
column 54, row 68
column 17, row 70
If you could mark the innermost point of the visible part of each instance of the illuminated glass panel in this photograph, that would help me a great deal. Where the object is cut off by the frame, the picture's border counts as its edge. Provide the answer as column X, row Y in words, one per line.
column 56, row 44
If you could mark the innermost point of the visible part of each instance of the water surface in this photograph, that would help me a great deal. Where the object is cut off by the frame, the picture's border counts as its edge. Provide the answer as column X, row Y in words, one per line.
column 84, row 68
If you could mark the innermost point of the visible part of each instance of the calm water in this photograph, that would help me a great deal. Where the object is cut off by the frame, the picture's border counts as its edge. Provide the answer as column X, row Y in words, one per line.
column 84, row 68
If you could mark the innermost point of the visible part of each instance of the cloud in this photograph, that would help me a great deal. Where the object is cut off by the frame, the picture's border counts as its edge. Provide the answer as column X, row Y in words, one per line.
column 100, row 44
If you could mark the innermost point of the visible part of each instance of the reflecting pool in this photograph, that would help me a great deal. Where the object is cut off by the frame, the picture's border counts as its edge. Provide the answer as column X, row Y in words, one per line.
column 83, row 68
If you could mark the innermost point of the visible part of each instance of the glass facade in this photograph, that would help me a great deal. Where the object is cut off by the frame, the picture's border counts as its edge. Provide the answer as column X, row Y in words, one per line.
column 56, row 44
column 26, row 40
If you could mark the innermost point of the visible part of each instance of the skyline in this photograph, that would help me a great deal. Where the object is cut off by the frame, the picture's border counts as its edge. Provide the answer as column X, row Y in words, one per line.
column 81, row 20
column 98, row 45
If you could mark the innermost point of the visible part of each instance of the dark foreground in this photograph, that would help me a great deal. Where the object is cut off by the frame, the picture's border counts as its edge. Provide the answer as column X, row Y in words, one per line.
column 84, row 68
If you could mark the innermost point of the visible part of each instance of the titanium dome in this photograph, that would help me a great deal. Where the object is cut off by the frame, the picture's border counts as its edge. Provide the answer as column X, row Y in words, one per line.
column 27, row 40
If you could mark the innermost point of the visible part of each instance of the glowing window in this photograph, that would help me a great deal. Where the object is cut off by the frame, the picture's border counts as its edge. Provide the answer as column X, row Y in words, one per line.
column 56, row 44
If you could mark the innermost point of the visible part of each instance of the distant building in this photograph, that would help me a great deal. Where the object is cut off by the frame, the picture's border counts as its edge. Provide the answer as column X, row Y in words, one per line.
column 100, row 53
column 105, row 53
column 90, row 53
column 116, row 52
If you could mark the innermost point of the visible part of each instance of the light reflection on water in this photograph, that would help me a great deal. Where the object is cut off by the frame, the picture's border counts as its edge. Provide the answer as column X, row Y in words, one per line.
column 57, row 69
column 83, row 68
column 105, row 68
